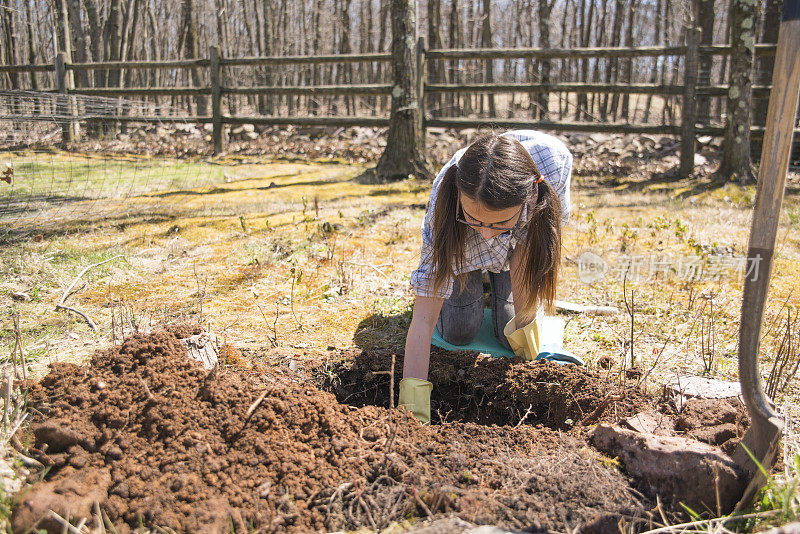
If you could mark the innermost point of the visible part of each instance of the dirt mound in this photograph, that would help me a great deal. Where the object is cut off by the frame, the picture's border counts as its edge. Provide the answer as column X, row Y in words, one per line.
column 471, row 387
column 155, row 440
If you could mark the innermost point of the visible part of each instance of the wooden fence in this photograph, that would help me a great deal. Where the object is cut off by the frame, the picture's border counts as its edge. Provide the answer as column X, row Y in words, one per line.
column 688, row 130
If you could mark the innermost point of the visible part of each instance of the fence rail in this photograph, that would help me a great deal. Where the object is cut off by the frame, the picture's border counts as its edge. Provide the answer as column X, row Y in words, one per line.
column 688, row 92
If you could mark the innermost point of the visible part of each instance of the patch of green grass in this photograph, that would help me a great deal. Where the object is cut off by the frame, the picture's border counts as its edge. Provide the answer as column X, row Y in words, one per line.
column 54, row 176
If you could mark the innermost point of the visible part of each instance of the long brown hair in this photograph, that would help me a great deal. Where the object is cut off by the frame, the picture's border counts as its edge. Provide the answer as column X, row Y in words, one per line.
column 498, row 172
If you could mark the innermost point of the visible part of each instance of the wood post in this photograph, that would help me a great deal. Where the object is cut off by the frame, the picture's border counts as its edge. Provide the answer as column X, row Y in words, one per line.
column 216, row 100
column 689, row 108
column 422, row 73
column 62, row 101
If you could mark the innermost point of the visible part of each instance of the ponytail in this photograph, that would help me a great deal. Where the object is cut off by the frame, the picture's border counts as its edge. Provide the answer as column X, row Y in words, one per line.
column 541, row 259
column 448, row 235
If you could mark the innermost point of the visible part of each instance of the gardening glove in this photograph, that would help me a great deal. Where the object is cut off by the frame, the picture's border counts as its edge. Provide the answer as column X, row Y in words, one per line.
column 415, row 395
column 524, row 341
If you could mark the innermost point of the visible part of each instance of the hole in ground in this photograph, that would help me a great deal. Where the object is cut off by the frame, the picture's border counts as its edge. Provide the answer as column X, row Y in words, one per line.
column 468, row 387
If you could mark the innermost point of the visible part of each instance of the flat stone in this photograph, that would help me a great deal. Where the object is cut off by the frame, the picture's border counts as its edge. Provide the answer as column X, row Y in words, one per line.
column 650, row 422
column 707, row 388
column 678, row 469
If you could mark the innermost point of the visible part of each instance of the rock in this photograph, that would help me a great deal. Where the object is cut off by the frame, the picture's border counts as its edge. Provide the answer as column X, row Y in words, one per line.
column 704, row 139
column 650, row 422
column 789, row 528
column 162, row 132
column 248, row 128
column 20, row 296
column 601, row 137
column 238, row 130
column 700, row 160
column 699, row 386
column 252, row 136
column 202, row 348
column 71, row 495
column 679, row 470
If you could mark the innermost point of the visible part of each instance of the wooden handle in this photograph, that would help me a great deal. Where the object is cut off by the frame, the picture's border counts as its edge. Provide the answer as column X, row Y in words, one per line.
column 762, row 436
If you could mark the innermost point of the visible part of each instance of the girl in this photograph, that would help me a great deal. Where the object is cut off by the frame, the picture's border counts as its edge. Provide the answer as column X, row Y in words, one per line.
column 497, row 205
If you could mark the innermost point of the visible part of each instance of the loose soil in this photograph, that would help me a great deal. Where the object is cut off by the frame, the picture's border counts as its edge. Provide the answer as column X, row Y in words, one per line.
column 150, row 438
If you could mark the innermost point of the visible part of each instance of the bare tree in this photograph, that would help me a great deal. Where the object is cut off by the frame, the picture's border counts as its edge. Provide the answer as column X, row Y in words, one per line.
column 453, row 67
column 705, row 18
column 735, row 163
column 435, row 41
column 487, row 42
column 543, row 100
column 404, row 154
column 769, row 34
column 628, row 65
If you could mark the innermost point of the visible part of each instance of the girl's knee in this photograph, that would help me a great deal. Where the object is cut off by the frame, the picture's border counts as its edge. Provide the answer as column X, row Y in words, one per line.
column 460, row 326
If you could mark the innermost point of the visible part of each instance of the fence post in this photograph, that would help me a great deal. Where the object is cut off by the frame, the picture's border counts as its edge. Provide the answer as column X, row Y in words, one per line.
column 216, row 100
column 422, row 72
column 62, row 103
column 689, row 108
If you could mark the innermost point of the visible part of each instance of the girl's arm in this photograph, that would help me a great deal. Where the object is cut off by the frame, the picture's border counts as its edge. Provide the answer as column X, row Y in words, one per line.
column 418, row 340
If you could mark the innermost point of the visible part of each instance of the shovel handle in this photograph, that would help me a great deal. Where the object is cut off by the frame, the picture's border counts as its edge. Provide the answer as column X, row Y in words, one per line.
column 766, row 424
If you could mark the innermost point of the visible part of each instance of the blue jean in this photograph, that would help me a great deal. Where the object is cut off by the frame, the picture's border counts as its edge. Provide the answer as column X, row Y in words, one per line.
column 462, row 313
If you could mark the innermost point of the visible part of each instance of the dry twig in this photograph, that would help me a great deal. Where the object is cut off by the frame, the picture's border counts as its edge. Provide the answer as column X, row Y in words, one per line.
column 595, row 415
column 18, row 348
column 67, row 292
column 255, row 405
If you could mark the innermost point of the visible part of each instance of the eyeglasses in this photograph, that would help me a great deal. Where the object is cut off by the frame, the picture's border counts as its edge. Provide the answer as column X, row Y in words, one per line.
column 479, row 224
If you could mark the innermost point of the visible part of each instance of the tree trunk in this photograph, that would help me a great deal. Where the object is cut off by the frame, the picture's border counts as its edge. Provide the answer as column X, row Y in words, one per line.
column 769, row 34
column 435, row 41
column 562, row 72
column 469, row 41
column 111, row 40
column 404, row 154
column 657, row 40
column 80, row 53
column 705, row 17
column 735, row 163
column 345, row 48
column 382, row 34
column 600, row 40
column 454, row 40
column 191, row 50
column 9, row 50
column 628, row 65
column 613, row 64
column 315, row 72
column 31, row 53
column 486, row 42
column 723, row 71
column 543, row 99
column 582, row 111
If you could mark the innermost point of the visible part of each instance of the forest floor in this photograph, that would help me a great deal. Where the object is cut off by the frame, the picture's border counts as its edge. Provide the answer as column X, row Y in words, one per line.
column 300, row 269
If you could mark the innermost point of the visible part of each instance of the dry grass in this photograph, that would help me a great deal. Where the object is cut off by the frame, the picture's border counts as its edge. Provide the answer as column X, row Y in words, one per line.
column 306, row 258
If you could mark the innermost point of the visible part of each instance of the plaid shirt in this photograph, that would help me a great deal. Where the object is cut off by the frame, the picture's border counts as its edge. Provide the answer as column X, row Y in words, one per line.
column 554, row 162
